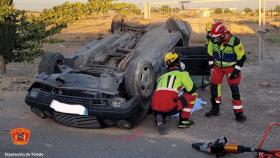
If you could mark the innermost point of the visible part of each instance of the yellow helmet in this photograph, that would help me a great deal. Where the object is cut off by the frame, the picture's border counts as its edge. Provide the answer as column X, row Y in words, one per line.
column 171, row 58
column 208, row 26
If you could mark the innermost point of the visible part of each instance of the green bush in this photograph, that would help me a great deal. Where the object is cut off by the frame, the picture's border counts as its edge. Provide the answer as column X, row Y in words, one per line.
column 99, row 6
column 126, row 8
column 218, row 10
column 27, row 33
column 30, row 36
column 7, row 30
column 22, row 36
column 6, row 2
column 64, row 14
column 248, row 10
column 277, row 9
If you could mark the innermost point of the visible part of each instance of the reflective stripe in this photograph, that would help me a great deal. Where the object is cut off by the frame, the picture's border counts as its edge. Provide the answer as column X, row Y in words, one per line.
column 225, row 64
column 187, row 110
column 211, row 62
column 168, row 89
column 218, row 102
column 219, row 89
column 237, row 67
column 236, row 107
column 171, row 81
column 219, row 26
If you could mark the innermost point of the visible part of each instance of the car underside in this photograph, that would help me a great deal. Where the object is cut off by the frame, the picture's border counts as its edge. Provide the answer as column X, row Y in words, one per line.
column 110, row 81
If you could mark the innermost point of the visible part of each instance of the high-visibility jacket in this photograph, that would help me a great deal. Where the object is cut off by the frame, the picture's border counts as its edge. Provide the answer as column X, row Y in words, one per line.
column 227, row 55
column 168, row 86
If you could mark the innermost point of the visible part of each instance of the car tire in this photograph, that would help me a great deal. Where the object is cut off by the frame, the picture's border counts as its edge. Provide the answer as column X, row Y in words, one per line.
column 140, row 79
column 133, row 120
column 137, row 71
column 139, row 116
column 49, row 62
column 38, row 112
column 117, row 23
column 176, row 24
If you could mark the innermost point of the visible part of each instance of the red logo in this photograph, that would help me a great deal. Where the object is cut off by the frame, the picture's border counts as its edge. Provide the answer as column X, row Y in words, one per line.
column 20, row 136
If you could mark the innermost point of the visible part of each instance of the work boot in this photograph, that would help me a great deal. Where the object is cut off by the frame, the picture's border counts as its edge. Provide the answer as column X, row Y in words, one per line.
column 185, row 123
column 161, row 124
column 240, row 117
column 215, row 110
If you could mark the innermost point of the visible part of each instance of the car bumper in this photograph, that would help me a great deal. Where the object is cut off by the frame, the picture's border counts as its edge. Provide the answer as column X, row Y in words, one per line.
column 97, row 107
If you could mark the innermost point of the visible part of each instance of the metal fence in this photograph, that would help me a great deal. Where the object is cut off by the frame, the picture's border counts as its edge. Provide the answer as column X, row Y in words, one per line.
column 271, row 39
column 262, row 44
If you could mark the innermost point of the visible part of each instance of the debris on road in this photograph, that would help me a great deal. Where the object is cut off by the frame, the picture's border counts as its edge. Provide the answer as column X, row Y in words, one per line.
column 265, row 84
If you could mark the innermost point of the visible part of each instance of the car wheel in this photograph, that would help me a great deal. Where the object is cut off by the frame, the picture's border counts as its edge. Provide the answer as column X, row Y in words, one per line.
column 117, row 23
column 134, row 120
column 140, row 79
column 49, row 62
column 176, row 24
column 38, row 112
column 124, row 124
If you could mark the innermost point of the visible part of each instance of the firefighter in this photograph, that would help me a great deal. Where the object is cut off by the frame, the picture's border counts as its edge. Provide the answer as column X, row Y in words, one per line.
column 226, row 58
column 208, row 27
column 166, row 100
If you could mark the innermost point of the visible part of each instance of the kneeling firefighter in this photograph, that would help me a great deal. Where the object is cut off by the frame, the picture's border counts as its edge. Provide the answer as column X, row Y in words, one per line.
column 166, row 100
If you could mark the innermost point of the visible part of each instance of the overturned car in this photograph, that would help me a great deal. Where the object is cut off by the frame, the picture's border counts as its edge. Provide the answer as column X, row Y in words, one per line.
column 109, row 81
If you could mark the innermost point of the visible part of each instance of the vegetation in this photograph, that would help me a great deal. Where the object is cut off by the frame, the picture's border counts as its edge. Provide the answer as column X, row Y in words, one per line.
column 257, row 11
column 165, row 9
column 227, row 11
column 126, row 8
column 277, row 9
column 6, row 2
column 218, row 10
column 248, row 10
column 7, row 31
column 22, row 35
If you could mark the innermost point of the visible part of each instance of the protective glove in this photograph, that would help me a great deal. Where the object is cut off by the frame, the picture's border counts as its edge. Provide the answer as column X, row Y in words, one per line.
column 234, row 74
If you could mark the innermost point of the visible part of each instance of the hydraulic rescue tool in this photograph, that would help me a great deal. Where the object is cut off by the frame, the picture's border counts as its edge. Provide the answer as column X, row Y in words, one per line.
column 220, row 147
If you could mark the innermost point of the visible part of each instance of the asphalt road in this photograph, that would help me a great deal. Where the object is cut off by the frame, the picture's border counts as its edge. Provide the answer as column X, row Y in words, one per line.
column 52, row 140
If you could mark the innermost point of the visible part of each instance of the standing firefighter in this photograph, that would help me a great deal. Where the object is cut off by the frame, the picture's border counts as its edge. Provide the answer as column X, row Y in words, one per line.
column 166, row 100
column 226, row 58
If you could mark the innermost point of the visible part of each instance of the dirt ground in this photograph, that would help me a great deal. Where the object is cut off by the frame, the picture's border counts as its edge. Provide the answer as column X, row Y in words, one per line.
column 260, row 90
